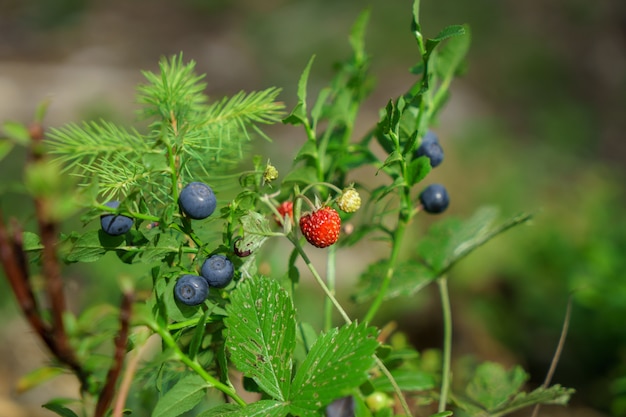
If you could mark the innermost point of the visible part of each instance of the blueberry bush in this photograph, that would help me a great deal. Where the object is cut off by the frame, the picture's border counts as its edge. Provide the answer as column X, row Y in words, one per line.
column 184, row 197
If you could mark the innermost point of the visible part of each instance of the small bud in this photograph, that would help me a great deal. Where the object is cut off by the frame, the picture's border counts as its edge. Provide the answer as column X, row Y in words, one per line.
column 270, row 173
column 349, row 200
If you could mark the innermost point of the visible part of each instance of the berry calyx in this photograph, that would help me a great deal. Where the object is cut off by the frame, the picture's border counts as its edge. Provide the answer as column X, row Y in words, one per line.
column 218, row 271
column 238, row 250
column 349, row 200
column 284, row 209
column 115, row 224
column 431, row 148
column 191, row 290
column 434, row 199
column 321, row 227
column 197, row 200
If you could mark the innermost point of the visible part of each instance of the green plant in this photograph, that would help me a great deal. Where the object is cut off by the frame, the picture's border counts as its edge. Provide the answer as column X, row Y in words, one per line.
column 252, row 325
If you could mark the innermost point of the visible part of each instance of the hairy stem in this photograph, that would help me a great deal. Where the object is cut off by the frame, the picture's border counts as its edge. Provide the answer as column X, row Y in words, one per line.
column 330, row 280
column 447, row 342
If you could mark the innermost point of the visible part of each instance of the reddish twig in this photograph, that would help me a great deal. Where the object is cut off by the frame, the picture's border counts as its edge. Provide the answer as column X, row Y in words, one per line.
column 108, row 391
column 11, row 255
column 50, row 267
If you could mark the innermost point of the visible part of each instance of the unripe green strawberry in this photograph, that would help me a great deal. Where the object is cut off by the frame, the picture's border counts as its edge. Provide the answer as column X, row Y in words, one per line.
column 321, row 228
column 270, row 173
column 349, row 200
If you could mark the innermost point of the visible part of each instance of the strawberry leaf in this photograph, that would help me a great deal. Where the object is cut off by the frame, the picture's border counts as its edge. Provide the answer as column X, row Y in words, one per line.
column 337, row 363
column 261, row 334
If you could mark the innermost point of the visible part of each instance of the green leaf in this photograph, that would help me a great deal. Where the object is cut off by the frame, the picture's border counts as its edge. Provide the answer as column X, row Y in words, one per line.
column 492, row 385
column 175, row 310
column 445, row 33
column 304, row 175
column 38, row 377
column 555, row 395
column 407, row 380
column 442, row 414
column 185, row 395
column 263, row 408
column 5, row 148
column 31, row 242
column 357, row 36
column 57, row 407
column 17, row 132
column 298, row 114
column 337, row 363
column 417, row 170
column 261, row 334
column 408, row 278
column 450, row 55
column 450, row 241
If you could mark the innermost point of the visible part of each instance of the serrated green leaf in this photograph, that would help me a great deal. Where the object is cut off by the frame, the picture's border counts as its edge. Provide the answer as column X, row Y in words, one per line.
column 407, row 380
column 263, row 408
column 492, row 386
column 31, row 242
column 554, row 395
column 337, row 363
column 308, row 150
column 160, row 246
column 445, row 33
column 260, row 334
column 408, row 278
column 451, row 54
column 185, row 395
column 92, row 245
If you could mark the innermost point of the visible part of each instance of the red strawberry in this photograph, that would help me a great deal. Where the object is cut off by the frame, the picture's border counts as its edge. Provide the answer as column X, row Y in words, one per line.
column 285, row 208
column 321, row 228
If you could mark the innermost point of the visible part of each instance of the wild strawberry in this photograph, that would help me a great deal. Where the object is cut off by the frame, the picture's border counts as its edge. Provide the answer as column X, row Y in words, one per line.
column 285, row 208
column 349, row 200
column 321, row 228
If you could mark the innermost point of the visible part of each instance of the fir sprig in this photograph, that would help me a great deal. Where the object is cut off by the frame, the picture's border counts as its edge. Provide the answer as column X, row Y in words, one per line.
column 188, row 138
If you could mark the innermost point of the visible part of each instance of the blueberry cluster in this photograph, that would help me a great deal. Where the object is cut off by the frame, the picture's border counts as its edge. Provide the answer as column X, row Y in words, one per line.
column 434, row 198
column 217, row 271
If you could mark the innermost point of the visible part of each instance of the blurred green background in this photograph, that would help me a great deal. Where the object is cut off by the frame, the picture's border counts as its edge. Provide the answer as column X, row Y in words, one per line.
column 536, row 124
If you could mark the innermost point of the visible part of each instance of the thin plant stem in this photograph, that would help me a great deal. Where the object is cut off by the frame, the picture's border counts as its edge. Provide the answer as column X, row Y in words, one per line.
column 195, row 366
column 330, row 281
column 382, row 292
column 394, row 384
column 447, row 342
column 319, row 280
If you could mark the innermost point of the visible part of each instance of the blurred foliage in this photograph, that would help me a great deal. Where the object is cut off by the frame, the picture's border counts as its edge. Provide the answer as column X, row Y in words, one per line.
column 551, row 118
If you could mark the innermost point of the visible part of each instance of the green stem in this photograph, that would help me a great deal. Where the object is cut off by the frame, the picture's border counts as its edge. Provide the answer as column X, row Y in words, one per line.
column 394, row 384
column 330, row 280
column 447, row 342
column 195, row 366
column 395, row 251
column 319, row 279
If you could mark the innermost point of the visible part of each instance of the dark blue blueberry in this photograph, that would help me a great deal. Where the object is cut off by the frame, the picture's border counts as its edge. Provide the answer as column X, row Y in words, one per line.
column 430, row 148
column 191, row 290
column 435, row 198
column 197, row 200
column 218, row 271
column 115, row 224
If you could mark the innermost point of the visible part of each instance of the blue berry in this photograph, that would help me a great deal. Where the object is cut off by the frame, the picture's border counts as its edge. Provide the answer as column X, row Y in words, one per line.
column 218, row 271
column 435, row 198
column 191, row 290
column 197, row 200
column 430, row 148
column 115, row 224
